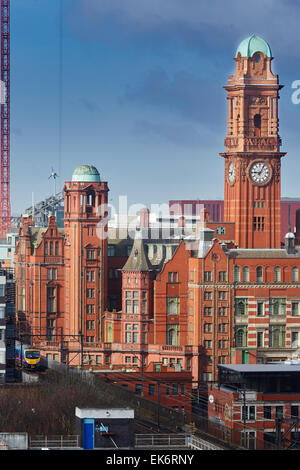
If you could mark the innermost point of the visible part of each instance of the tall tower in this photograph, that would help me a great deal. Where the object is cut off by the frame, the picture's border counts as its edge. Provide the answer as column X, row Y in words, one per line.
column 85, row 253
column 253, row 157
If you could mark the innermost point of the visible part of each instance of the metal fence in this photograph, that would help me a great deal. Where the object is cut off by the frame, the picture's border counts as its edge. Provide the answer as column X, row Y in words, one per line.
column 197, row 443
column 54, row 442
column 161, row 440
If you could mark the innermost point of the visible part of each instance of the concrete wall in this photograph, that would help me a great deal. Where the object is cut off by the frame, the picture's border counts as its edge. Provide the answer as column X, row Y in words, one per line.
column 15, row 441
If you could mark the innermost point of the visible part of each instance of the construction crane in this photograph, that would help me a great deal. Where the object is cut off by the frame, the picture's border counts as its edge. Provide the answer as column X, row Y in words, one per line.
column 5, row 208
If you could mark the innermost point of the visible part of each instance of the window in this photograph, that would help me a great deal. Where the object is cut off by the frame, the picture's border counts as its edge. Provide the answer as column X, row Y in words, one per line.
column 173, row 305
column 50, row 330
column 222, row 343
column 295, row 339
column 91, row 254
column 241, row 334
column 277, row 274
column 132, row 302
column 172, row 334
column 276, row 336
column 294, row 411
column 207, row 344
column 295, row 308
column 90, row 309
column 207, row 295
column 90, row 276
column 138, row 389
column 111, row 250
column 90, row 293
column 277, row 306
column 279, row 411
column 257, row 117
column 151, row 389
column 248, row 439
column 258, row 224
column 222, row 327
column 260, row 308
column 222, row 276
column 207, row 311
column 207, row 276
column 248, row 413
column 241, row 306
column 51, row 299
column 174, row 389
column 259, row 274
column 221, row 359
column 90, row 339
column 246, row 274
column 260, row 339
column 236, row 274
column 90, row 325
column 172, row 277
column 295, row 274
column 267, row 412
column 51, row 274
column 222, row 311
column 207, row 327
column 144, row 338
column 222, row 295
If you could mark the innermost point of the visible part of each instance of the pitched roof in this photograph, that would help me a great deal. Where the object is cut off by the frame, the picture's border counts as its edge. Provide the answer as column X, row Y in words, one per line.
column 138, row 259
column 262, row 253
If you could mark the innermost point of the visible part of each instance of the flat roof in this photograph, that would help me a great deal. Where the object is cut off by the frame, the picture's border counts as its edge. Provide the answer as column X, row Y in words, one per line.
column 263, row 368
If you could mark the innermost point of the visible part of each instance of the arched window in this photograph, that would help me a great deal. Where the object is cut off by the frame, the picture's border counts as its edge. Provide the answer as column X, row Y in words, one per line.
column 277, row 274
column 246, row 274
column 236, row 274
column 295, row 274
column 172, row 336
column 257, row 125
column 241, row 337
column 259, row 274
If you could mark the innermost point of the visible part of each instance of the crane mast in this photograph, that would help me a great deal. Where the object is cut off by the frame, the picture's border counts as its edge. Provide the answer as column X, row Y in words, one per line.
column 5, row 208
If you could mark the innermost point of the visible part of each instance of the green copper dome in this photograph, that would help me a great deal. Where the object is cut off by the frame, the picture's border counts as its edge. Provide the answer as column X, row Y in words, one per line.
column 86, row 173
column 253, row 44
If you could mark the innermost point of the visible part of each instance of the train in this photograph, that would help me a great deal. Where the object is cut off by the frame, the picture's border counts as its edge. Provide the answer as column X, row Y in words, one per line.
column 27, row 356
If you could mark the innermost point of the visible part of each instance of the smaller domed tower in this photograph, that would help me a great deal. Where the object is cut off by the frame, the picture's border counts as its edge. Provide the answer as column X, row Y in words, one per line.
column 85, row 228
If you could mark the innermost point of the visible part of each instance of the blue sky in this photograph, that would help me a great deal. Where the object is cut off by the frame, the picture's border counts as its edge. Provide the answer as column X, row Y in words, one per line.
column 142, row 93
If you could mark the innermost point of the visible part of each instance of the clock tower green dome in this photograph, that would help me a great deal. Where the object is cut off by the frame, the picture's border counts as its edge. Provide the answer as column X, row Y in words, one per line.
column 253, row 44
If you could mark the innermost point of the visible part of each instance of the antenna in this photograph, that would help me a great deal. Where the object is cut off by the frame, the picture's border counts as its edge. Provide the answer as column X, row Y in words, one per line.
column 53, row 175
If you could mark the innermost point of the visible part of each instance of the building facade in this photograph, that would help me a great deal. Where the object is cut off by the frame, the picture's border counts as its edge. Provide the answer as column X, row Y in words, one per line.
column 259, row 405
column 218, row 292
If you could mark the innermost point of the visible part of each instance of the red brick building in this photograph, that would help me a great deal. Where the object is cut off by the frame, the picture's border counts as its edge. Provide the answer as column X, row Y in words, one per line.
column 225, row 293
column 215, row 208
column 158, row 383
column 259, row 405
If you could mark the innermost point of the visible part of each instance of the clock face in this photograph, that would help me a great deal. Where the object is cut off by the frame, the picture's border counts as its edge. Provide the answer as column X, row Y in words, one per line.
column 260, row 173
column 231, row 173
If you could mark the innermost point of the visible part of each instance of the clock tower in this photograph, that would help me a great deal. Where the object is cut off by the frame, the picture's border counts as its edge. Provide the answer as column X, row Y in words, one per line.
column 253, row 157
